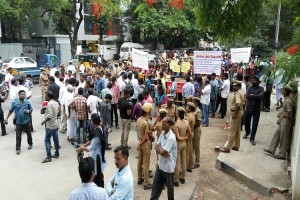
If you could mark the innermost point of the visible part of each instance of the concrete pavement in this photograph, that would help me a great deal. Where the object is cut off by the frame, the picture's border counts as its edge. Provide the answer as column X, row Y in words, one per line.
column 254, row 167
column 25, row 177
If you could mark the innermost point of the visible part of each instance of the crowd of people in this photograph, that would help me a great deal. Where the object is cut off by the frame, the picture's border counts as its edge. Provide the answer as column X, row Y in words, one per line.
column 93, row 98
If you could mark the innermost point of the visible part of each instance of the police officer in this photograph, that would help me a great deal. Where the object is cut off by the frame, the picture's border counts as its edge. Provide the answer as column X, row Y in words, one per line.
column 190, row 117
column 197, row 132
column 157, row 125
column 170, row 107
column 236, row 108
column 48, row 69
column 189, row 98
column 43, row 83
column 144, row 146
column 182, row 132
column 283, row 134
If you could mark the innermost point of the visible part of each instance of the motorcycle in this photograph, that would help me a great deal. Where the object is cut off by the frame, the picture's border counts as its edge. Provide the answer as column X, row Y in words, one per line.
column 4, row 90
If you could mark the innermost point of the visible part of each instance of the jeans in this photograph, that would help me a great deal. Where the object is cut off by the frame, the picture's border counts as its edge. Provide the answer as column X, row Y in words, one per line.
column 161, row 178
column 51, row 133
column 19, row 129
column 81, row 124
column 205, row 114
column 248, row 115
column 212, row 106
column 223, row 108
column 219, row 101
column 114, row 111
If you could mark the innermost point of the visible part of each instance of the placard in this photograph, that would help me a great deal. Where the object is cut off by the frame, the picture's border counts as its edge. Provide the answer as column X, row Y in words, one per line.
column 207, row 62
column 185, row 66
column 173, row 63
column 139, row 59
column 176, row 68
column 240, row 55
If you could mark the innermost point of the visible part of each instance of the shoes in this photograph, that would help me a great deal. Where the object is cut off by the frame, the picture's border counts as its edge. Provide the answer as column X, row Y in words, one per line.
column 189, row 170
column 245, row 136
column 268, row 151
column 279, row 157
column 18, row 152
column 148, row 186
column 204, row 125
column 224, row 150
column 140, row 181
column 128, row 147
column 235, row 149
column 196, row 165
column 176, row 184
column 55, row 156
column 182, row 181
column 117, row 127
column 253, row 142
column 266, row 110
column 4, row 134
column 221, row 117
column 47, row 160
column 29, row 147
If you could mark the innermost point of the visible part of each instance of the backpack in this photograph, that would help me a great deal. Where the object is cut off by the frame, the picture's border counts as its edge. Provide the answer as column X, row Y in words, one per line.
column 129, row 86
column 148, row 84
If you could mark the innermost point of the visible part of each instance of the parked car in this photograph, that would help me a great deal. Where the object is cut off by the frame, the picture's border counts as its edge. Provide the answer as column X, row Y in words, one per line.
column 21, row 65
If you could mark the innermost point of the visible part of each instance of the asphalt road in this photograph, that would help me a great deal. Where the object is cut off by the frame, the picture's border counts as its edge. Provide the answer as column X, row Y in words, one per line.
column 25, row 177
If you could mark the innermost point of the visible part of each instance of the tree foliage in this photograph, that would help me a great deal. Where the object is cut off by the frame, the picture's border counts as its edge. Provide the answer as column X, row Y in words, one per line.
column 228, row 19
column 163, row 22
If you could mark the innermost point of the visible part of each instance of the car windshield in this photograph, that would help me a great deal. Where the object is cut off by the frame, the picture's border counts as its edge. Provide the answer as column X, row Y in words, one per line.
column 7, row 60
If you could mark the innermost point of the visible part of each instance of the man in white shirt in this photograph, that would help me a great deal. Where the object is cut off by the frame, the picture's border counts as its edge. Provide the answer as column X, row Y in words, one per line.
column 92, row 104
column 225, row 89
column 71, row 67
column 136, row 87
column 12, row 91
column 69, row 112
column 205, row 101
column 8, row 77
column 88, row 190
column 82, row 81
column 53, row 70
column 22, row 87
column 120, row 185
column 166, row 149
column 82, row 67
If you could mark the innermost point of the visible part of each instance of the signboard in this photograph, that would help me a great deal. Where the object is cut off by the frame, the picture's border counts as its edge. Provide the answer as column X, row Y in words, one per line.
column 176, row 68
column 240, row 55
column 185, row 66
column 139, row 59
column 207, row 62
column 173, row 63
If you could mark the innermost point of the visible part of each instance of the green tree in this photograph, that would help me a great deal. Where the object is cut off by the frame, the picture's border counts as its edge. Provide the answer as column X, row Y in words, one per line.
column 228, row 19
column 160, row 22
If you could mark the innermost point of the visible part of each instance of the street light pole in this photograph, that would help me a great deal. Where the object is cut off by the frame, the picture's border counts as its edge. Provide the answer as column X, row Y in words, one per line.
column 277, row 30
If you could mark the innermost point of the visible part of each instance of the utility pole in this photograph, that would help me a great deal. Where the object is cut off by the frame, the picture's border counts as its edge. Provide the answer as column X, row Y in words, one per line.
column 277, row 30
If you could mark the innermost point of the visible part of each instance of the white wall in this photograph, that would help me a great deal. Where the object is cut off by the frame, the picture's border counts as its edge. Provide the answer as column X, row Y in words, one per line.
column 8, row 50
column 295, row 153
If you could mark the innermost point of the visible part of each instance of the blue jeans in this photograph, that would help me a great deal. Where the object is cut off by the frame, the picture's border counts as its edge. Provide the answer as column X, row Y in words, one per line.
column 212, row 107
column 205, row 114
column 49, row 134
column 248, row 115
column 81, row 124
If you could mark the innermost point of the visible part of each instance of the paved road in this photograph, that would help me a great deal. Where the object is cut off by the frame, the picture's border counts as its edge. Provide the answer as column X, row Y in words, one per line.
column 25, row 177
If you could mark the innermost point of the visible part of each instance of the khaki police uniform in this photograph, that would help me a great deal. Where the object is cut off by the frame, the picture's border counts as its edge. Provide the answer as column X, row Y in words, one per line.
column 190, row 117
column 235, row 130
column 197, row 136
column 145, row 149
column 43, row 83
column 171, row 111
column 283, row 134
column 181, row 127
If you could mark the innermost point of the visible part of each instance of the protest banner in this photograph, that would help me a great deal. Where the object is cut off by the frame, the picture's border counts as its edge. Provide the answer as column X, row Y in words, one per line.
column 240, row 55
column 173, row 63
column 176, row 68
column 207, row 62
column 139, row 59
column 185, row 66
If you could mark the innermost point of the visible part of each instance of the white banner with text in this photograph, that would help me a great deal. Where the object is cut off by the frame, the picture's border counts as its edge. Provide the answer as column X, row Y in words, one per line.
column 207, row 62
column 240, row 55
column 139, row 59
